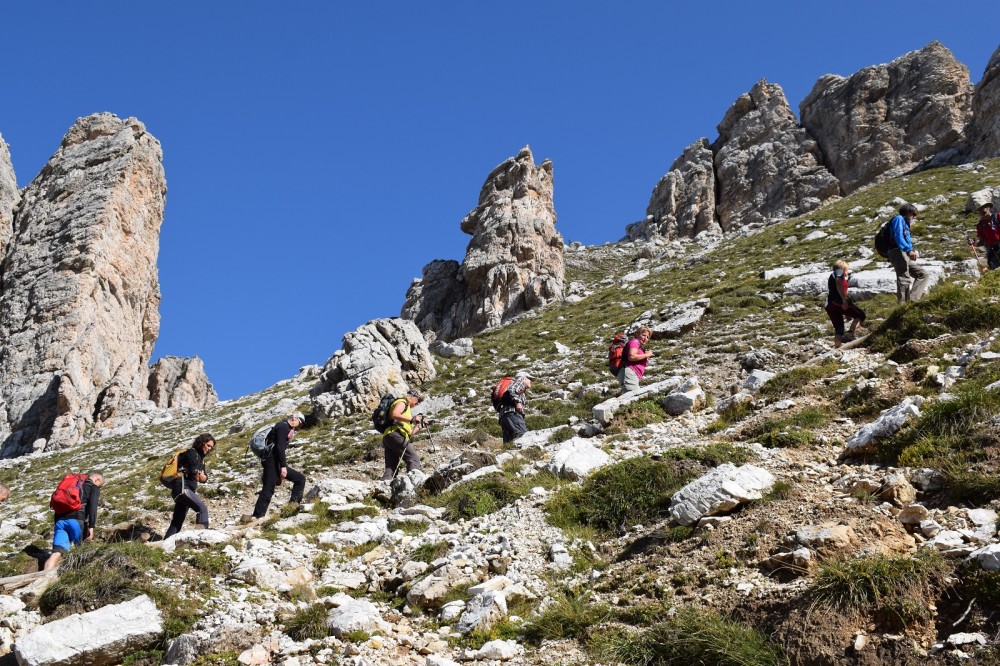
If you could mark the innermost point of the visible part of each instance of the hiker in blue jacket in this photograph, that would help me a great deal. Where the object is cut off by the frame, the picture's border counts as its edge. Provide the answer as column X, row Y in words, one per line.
column 911, row 278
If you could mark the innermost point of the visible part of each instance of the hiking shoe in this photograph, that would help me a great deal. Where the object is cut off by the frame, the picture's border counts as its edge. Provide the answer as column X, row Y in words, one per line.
column 247, row 519
column 201, row 527
column 847, row 337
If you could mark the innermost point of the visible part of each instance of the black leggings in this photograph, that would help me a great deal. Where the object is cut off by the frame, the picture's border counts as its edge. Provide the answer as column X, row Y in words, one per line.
column 270, row 480
column 186, row 499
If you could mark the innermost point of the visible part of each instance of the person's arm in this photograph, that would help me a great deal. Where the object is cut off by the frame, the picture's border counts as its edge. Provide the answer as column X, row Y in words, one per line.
column 841, row 283
column 280, row 444
column 634, row 355
column 92, row 500
column 898, row 225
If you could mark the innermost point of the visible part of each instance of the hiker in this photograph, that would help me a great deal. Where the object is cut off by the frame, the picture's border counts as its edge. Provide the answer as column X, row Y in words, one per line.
column 396, row 440
column 988, row 231
column 4, row 492
column 276, row 468
column 838, row 305
column 911, row 278
column 634, row 365
column 512, row 404
column 191, row 466
column 75, row 526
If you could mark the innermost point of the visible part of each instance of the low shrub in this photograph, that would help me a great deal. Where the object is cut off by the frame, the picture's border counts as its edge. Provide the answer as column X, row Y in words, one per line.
column 690, row 637
column 712, row 455
column 637, row 490
column 569, row 616
column 791, row 382
column 636, row 415
column 308, row 622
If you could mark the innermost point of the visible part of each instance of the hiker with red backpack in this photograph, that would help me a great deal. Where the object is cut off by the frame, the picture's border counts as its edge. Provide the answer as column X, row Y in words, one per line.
column 396, row 438
column 634, row 359
column 508, row 399
column 75, row 504
column 190, row 472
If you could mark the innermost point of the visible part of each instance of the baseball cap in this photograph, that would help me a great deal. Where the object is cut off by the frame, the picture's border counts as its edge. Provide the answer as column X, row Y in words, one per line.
column 415, row 393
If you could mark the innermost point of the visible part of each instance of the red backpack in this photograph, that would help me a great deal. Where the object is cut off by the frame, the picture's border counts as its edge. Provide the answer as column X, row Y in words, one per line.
column 499, row 391
column 68, row 495
column 616, row 353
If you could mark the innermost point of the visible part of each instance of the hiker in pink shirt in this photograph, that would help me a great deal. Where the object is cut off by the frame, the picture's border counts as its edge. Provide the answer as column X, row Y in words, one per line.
column 636, row 356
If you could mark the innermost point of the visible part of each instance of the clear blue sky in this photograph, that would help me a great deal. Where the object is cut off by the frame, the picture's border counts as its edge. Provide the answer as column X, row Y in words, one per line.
column 318, row 154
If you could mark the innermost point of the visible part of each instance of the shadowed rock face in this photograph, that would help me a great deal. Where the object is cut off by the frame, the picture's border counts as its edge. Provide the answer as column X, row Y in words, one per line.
column 986, row 111
column 180, row 383
column 766, row 166
column 514, row 261
column 9, row 196
column 884, row 120
column 78, row 307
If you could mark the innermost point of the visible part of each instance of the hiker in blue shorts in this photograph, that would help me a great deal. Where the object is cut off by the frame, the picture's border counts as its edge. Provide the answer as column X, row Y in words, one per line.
column 73, row 527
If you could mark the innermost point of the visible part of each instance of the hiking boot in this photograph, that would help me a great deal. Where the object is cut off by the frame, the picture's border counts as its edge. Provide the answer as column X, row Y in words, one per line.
column 247, row 519
column 201, row 527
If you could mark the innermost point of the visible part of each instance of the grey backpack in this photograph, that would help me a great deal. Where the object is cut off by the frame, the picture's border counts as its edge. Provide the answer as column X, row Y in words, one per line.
column 261, row 443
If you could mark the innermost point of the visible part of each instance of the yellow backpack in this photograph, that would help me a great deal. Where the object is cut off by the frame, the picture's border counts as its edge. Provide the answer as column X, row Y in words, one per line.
column 170, row 471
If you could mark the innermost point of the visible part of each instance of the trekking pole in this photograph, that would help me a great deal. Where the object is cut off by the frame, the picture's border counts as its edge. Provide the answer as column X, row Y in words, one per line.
column 979, row 263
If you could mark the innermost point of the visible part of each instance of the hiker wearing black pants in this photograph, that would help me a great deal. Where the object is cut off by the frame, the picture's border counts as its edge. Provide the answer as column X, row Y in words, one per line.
column 276, row 469
column 191, row 465
column 512, row 404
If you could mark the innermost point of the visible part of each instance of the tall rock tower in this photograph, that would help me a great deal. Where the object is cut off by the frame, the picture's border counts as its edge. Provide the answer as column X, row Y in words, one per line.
column 79, row 293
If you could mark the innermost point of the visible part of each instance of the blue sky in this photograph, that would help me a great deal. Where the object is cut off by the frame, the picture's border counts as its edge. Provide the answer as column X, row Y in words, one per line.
column 318, row 154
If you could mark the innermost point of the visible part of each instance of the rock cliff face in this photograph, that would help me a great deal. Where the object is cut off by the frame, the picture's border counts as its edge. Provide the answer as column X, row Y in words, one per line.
column 986, row 112
column 78, row 307
column 9, row 196
column 383, row 355
column 180, row 383
column 513, row 263
column 767, row 167
column 683, row 202
column 886, row 119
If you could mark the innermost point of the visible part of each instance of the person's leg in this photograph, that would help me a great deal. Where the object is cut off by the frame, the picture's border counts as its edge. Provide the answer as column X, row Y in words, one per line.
column 993, row 256
column 920, row 279
column 410, row 457
column 857, row 314
column 900, row 266
column 629, row 381
column 393, row 444
column 269, row 480
column 517, row 425
column 508, row 432
column 66, row 534
column 178, row 516
column 836, row 315
column 298, row 480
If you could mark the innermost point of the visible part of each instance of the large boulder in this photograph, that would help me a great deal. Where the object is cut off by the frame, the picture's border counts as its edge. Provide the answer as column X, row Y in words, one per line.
column 98, row 638
column 10, row 196
column 766, row 166
column 985, row 133
column 79, row 308
column 887, row 424
column 180, row 383
column 576, row 459
column 720, row 490
column 886, row 119
column 382, row 356
column 514, row 261
column 683, row 202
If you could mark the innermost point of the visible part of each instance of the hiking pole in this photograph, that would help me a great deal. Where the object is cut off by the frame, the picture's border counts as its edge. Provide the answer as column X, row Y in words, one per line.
column 979, row 263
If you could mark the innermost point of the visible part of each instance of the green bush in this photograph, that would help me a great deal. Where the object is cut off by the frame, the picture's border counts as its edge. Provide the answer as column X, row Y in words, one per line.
column 478, row 498
column 690, row 637
column 792, row 381
column 637, row 490
column 308, row 622
column 712, row 455
column 569, row 616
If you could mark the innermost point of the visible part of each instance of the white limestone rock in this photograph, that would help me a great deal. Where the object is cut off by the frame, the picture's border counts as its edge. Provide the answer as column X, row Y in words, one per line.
column 576, row 459
column 605, row 411
column 886, row 425
column 483, row 611
column 720, row 490
column 180, row 383
column 103, row 636
column 688, row 397
column 756, row 379
column 351, row 614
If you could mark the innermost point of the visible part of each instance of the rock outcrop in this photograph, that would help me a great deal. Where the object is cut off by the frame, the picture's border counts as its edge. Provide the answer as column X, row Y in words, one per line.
column 513, row 263
column 766, row 166
column 886, row 119
column 381, row 356
column 180, row 383
column 985, row 134
column 10, row 196
column 683, row 202
column 80, row 295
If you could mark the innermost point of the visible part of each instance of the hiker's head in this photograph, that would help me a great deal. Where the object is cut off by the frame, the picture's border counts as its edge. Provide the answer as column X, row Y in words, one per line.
column 96, row 478
column 525, row 377
column 413, row 397
column 909, row 211
column 643, row 334
column 4, row 492
column 204, row 443
column 840, row 267
column 986, row 208
column 296, row 420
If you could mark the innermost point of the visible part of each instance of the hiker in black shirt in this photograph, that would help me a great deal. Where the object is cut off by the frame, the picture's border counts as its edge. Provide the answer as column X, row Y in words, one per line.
column 276, row 469
column 72, row 528
column 191, row 465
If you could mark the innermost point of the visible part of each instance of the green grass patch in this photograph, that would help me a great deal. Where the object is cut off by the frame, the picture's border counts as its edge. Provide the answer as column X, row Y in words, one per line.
column 486, row 495
column 728, row 416
column 791, row 382
column 568, row 616
column 711, row 455
column 308, row 622
column 637, row 415
column 637, row 490
column 690, row 637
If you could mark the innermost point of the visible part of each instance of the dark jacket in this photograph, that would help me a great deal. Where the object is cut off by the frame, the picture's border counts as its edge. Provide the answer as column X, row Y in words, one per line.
column 90, row 495
column 191, row 462
column 279, row 435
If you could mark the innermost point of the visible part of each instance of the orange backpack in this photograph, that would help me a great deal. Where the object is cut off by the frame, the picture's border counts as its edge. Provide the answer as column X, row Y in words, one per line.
column 68, row 495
